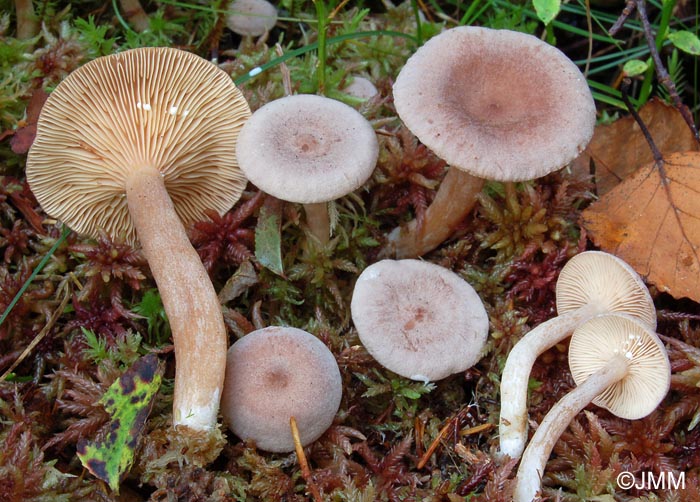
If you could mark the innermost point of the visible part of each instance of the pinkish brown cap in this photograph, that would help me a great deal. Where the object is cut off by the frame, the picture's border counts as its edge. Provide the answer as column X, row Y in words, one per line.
column 307, row 149
column 418, row 319
column 160, row 107
column 648, row 378
column 276, row 373
column 499, row 104
column 251, row 17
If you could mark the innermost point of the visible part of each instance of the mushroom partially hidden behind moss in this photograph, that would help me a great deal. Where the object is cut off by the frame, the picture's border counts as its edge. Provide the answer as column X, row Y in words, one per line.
column 277, row 373
column 419, row 319
column 495, row 104
column 139, row 144
column 251, row 18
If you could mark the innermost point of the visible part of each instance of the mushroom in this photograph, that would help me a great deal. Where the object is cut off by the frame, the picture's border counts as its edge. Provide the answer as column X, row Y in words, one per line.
column 361, row 88
column 139, row 144
column 619, row 364
column 308, row 149
column 251, row 18
column 419, row 319
column 276, row 373
column 591, row 283
column 494, row 104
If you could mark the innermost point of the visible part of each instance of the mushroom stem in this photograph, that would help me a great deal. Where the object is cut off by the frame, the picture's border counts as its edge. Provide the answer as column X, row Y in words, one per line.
column 516, row 373
column 188, row 297
column 135, row 14
column 318, row 220
column 453, row 201
column 27, row 23
column 531, row 470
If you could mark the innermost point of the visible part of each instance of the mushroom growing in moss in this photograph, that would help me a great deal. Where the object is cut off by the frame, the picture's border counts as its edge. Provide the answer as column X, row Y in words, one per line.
column 139, row 144
column 419, row 319
column 494, row 104
column 251, row 18
column 308, row 149
column 591, row 283
column 274, row 374
column 618, row 363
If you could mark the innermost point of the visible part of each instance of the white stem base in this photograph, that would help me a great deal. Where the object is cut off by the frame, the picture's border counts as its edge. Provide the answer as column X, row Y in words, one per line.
column 516, row 374
column 528, row 481
column 189, row 299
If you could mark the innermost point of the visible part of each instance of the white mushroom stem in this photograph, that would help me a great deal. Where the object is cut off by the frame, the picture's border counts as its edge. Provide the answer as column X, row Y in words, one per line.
column 529, row 477
column 318, row 220
column 188, row 297
column 453, row 201
column 516, row 373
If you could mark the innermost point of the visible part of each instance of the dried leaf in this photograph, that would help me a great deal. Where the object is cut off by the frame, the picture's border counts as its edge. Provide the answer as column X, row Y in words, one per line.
column 128, row 400
column 654, row 227
column 24, row 136
column 619, row 149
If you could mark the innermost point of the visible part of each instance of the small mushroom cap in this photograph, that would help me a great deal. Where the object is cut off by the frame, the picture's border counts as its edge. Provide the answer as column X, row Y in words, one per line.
column 360, row 87
column 418, row 319
column 157, row 107
column 500, row 104
column 276, row 373
column 596, row 276
column 648, row 379
column 251, row 17
column 307, row 148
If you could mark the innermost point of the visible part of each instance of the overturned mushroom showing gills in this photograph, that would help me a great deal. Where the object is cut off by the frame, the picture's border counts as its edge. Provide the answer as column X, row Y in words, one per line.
column 139, row 144
column 418, row 319
column 274, row 374
column 618, row 363
column 308, row 149
column 591, row 283
column 494, row 104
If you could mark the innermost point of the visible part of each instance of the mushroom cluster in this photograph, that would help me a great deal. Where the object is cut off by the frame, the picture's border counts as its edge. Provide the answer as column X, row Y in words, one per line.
column 419, row 319
column 590, row 284
column 138, row 145
column 618, row 363
column 495, row 104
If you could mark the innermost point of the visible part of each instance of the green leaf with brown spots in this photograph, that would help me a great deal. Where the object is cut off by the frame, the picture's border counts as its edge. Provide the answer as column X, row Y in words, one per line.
column 129, row 401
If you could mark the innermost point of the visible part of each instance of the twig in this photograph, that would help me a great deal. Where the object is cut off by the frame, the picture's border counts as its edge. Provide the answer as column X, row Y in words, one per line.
column 627, row 12
column 303, row 463
column 661, row 74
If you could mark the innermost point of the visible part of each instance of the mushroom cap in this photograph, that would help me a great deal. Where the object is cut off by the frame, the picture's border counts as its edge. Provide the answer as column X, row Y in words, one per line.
column 418, row 319
column 599, row 277
column 276, row 373
column 251, row 17
column 158, row 107
column 499, row 104
column 307, row 148
column 648, row 379
column 361, row 87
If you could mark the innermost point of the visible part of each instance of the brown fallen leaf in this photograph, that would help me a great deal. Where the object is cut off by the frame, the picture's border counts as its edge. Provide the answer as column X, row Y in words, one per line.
column 619, row 149
column 25, row 133
column 653, row 226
